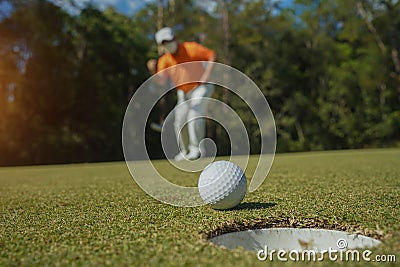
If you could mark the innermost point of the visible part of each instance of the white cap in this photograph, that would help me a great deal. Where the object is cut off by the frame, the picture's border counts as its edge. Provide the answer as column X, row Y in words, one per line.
column 165, row 34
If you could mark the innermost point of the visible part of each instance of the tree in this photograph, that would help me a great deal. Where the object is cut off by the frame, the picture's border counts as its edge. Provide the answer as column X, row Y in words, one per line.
column 39, row 77
column 70, row 79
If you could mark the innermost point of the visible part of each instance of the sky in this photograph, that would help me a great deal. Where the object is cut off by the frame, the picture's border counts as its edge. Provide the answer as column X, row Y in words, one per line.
column 128, row 7
column 5, row 9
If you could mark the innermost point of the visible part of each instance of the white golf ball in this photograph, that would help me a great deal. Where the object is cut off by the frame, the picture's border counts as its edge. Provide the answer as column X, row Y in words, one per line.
column 222, row 185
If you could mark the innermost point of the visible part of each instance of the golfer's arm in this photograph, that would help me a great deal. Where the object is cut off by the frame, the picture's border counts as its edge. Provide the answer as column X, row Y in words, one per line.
column 161, row 78
column 209, row 68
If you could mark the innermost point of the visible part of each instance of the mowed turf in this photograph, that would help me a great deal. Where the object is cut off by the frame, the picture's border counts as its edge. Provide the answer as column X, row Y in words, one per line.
column 95, row 214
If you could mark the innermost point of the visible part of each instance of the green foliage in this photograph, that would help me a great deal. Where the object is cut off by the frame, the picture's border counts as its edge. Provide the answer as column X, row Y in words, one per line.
column 75, row 78
column 329, row 69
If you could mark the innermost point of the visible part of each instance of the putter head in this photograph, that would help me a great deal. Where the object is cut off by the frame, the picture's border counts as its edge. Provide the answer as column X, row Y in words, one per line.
column 157, row 127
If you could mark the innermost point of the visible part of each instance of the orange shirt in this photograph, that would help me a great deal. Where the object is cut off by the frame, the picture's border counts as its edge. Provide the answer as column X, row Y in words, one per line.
column 184, row 75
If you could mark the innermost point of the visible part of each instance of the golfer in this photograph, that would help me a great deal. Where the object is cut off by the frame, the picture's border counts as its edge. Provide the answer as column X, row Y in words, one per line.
column 183, row 76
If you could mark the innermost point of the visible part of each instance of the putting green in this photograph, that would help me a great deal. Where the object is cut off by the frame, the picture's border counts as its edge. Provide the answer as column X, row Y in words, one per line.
column 95, row 214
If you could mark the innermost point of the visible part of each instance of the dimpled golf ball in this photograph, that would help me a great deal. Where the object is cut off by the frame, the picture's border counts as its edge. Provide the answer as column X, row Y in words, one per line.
column 222, row 185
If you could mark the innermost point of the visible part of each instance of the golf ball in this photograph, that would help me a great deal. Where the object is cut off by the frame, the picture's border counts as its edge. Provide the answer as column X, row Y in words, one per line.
column 222, row 185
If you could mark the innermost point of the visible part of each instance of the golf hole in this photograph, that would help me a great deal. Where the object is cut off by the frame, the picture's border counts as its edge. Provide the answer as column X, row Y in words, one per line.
column 289, row 239
column 293, row 235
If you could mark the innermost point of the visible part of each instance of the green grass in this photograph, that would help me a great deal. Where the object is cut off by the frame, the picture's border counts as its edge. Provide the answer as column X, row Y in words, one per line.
column 95, row 214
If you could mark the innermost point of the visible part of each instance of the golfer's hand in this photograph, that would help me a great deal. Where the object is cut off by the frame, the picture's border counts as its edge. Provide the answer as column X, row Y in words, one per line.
column 161, row 77
column 152, row 66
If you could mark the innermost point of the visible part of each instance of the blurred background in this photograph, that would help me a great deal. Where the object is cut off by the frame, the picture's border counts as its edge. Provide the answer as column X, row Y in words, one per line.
column 329, row 69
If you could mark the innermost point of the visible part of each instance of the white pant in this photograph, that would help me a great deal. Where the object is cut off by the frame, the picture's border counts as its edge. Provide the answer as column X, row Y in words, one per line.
column 185, row 112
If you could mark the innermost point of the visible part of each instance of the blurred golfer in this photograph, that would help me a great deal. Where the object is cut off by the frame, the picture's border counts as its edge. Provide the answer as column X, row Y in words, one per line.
column 176, row 53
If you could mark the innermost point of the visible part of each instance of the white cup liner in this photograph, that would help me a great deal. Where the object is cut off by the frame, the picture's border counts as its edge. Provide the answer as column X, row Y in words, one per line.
column 293, row 239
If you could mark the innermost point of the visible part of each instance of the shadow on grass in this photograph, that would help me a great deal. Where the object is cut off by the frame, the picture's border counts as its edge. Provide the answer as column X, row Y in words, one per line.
column 254, row 206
